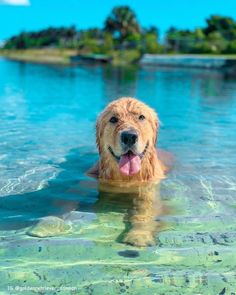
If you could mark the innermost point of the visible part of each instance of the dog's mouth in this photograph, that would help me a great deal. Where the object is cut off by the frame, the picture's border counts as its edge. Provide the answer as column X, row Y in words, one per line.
column 130, row 162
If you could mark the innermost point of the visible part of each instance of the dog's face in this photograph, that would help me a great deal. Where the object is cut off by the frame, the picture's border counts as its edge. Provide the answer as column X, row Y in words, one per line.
column 126, row 132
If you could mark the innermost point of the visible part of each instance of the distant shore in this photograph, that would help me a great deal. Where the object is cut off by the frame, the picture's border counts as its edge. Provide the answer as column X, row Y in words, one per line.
column 68, row 56
column 47, row 56
column 226, row 63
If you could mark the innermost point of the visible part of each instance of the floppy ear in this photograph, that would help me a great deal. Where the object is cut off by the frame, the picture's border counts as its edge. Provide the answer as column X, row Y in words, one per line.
column 100, row 125
column 98, row 134
column 155, row 126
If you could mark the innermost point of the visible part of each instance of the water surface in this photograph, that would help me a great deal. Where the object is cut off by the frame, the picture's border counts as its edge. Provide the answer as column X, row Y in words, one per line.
column 47, row 142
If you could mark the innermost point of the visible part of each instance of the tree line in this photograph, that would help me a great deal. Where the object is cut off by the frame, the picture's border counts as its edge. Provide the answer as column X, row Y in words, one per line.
column 122, row 31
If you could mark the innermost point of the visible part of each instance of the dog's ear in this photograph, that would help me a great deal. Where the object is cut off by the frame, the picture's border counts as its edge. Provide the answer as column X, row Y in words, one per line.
column 155, row 126
column 98, row 134
column 100, row 125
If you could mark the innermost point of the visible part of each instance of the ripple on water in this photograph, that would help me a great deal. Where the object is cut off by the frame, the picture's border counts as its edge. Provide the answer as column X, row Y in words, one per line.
column 47, row 142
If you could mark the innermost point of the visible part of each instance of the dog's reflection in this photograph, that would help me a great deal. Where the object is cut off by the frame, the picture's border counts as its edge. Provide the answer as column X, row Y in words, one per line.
column 141, row 205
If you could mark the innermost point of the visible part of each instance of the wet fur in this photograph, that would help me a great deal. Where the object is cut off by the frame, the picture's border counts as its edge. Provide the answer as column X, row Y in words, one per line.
column 152, row 167
column 142, row 187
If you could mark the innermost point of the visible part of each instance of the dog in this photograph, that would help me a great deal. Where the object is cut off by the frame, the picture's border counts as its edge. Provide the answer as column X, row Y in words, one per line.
column 130, row 165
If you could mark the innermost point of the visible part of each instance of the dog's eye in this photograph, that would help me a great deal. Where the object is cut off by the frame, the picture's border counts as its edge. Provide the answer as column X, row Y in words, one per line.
column 114, row 120
column 141, row 117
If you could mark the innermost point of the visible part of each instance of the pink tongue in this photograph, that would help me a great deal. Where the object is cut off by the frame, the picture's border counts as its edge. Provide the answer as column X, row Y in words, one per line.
column 129, row 164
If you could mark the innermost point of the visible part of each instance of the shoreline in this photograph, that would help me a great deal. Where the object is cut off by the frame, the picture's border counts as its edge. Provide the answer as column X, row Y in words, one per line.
column 67, row 57
column 41, row 56
column 212, row 62
column 71, row 56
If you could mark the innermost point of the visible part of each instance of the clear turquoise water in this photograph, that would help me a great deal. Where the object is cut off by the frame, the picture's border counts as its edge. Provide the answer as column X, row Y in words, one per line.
column 47, row 118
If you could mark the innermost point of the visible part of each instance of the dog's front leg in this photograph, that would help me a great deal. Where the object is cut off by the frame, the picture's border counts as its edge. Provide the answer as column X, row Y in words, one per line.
column 141, row 218
column 141, row 233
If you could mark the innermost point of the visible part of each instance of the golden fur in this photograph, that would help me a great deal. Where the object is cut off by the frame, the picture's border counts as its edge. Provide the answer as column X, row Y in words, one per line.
column 142, row 188
column 128, row 109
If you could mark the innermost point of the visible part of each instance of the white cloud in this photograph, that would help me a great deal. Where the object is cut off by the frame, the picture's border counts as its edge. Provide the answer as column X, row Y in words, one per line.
column 15, row 2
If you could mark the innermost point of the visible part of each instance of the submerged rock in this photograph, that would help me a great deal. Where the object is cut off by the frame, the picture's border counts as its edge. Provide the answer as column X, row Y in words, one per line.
column 48, row 227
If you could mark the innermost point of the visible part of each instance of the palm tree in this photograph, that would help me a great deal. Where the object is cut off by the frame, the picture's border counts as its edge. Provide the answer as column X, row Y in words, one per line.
column 122, row 22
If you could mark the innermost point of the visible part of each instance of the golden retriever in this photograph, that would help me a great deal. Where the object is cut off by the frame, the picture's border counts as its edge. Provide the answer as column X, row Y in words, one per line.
column 126, row 135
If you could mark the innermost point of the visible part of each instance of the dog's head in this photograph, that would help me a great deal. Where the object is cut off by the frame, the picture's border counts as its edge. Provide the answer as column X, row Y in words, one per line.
column 126, row 132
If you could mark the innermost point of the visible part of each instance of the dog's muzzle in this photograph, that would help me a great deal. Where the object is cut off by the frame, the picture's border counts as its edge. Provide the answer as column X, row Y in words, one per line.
column 128, row 138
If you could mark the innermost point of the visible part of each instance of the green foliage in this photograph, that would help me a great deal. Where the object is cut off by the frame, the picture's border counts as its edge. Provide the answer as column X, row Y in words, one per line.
column 51, row 37
column 89, row 45
column 122, row 32
column 108, row 44
column 216, row 38
column 150, row 43
column 231, row 48
column 226, row 26
column 125, row 57
column 122, row 23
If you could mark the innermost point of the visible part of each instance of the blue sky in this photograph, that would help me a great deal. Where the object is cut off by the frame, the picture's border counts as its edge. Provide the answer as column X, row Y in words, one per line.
column 84, row 14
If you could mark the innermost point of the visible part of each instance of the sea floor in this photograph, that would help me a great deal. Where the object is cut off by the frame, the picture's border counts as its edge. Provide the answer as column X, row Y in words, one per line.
column 47, row 143
column 193, row 255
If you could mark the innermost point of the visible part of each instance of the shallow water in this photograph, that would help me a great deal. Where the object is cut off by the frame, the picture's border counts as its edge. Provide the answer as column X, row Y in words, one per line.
column 47, row 118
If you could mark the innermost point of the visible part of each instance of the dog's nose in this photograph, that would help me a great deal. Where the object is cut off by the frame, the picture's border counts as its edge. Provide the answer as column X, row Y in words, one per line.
column 129, row 138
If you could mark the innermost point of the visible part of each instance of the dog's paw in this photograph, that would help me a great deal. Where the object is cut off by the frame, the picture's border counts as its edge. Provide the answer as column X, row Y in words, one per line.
column 139, row 238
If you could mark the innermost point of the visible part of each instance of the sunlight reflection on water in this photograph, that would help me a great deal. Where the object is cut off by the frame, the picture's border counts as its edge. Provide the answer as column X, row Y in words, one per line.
column 47, row 143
